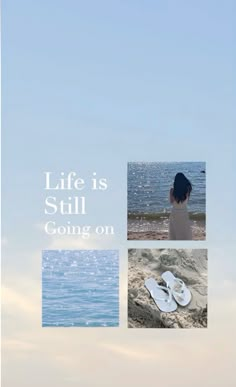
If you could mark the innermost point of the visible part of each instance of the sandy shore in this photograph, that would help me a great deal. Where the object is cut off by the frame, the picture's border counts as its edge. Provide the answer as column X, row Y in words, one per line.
column 161, row 233
column 189, row 265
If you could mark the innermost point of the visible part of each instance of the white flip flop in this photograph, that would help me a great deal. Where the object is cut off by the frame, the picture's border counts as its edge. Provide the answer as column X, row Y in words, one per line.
column 161, row 295
column 178, row 288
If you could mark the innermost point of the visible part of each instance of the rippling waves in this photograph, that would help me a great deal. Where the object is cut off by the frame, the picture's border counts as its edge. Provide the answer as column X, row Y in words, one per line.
column 149, row 185
column 80, row 288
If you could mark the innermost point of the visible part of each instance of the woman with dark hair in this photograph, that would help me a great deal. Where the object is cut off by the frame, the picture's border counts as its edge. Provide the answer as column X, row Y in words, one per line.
column 179, row 223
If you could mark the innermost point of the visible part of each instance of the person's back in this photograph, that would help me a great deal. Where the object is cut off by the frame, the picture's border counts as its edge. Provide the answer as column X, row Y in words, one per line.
column 179, row 223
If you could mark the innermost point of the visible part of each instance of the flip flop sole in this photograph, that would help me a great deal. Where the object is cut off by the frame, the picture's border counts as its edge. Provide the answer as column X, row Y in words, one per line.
column 169, row 279
column 158, row 294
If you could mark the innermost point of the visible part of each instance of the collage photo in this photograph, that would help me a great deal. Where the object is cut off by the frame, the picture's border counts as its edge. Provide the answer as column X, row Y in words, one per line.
column 167, row 287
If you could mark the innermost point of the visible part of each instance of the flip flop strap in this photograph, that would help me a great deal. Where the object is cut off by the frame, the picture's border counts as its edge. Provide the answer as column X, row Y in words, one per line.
column 179, row 293
column 162, row 298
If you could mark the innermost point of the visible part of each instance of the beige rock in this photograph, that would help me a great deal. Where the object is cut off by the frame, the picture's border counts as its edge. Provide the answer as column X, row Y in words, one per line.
column 189, row 265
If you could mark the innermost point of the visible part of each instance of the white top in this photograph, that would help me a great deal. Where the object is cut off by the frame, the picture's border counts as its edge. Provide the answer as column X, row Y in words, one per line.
column 180, row 205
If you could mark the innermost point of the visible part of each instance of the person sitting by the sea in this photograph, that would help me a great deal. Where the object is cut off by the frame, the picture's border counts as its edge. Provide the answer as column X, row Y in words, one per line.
column 179, row 223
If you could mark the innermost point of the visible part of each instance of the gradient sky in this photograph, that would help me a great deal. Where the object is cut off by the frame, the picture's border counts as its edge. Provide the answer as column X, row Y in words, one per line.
column 88, row 86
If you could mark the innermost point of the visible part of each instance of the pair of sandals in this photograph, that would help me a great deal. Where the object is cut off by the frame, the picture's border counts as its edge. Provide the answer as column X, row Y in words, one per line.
column 167, row 297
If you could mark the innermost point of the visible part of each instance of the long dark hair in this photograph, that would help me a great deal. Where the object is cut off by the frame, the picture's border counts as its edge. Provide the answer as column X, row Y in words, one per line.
column 182, row 188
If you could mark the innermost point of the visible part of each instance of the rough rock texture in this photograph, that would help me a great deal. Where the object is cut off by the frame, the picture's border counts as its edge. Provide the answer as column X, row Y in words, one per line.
column 189, row 265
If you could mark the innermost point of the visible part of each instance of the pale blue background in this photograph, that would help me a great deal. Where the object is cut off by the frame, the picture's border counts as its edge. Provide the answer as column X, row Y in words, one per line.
column 90, row 85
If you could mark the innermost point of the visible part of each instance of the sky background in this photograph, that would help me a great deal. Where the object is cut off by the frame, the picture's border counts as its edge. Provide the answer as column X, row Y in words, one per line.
column 89, row 86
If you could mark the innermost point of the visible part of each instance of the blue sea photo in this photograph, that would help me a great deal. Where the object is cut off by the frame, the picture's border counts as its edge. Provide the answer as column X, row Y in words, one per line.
column 149, row 207
column 80, row 288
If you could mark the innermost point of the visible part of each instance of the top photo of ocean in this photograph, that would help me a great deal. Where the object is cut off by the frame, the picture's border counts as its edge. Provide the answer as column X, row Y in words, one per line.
column 149, row 207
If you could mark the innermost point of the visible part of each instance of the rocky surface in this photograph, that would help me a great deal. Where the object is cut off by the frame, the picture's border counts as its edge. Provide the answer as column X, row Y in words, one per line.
column 189, row 265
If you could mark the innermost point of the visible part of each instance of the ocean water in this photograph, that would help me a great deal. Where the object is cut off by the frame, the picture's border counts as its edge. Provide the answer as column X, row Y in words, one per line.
column 80, row 288
column 149, row 185
column 148, row 192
